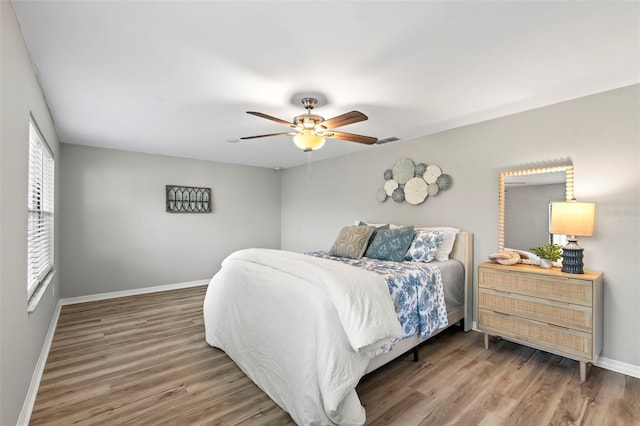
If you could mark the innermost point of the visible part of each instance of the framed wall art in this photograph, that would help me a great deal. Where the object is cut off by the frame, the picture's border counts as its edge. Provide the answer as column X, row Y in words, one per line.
column 188, row 199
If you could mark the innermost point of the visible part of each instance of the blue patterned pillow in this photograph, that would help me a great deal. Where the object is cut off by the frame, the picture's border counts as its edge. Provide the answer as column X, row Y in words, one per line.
column 390, row 244
column 424, row 246
column 375, row 232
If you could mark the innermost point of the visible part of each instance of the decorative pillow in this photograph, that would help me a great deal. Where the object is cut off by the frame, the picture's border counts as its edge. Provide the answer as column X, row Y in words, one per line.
column 352, row 241
column 375, row 231
column 377, row 225
column 391, row 244
column 424, row 246
column 447, row 244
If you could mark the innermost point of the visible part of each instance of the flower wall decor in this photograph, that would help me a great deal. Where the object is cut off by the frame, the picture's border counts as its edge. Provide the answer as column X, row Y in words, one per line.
column 412, row 183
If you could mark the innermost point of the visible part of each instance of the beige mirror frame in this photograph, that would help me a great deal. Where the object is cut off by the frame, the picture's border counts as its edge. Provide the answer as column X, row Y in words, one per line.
column 568, row 169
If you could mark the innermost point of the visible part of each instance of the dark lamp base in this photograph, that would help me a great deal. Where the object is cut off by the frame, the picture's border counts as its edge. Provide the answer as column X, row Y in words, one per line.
column 572, row 258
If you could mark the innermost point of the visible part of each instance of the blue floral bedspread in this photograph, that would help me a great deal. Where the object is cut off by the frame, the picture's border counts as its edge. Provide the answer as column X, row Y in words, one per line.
column 416, row 289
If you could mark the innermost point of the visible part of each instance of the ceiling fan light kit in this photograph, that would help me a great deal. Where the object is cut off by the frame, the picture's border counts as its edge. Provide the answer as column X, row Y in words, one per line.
column 308, row 141
column 311, row 130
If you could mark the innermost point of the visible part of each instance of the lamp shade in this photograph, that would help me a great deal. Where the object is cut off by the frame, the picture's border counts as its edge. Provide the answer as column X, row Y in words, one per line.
column 572, row 218
column 308, row 141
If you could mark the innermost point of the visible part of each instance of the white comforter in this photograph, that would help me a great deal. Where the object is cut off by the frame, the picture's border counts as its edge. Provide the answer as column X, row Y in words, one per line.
column 302, row 328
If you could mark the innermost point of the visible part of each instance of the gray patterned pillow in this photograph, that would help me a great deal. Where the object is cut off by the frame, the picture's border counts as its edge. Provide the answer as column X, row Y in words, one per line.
column 352, row 241
column 391, row 244
column 424, row 246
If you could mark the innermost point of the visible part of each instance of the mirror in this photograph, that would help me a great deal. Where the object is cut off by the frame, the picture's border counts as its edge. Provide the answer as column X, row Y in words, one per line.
column 523, row 215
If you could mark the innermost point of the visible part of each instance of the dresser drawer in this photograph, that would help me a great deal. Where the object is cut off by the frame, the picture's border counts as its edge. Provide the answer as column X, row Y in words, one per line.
column 549, row 287
column 549, row 311
column 561, row 340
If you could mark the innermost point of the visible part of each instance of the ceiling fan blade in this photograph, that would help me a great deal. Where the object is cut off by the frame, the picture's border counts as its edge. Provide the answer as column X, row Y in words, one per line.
column 344, row 119
column 268, row 117
column 264, row 136
column 368, row 140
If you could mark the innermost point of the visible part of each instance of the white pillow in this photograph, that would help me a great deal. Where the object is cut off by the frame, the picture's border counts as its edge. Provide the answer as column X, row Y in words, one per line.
column 377, row 225
column 446, row 247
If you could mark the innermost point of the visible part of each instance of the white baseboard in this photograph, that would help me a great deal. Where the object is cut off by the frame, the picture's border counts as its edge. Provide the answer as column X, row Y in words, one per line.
column 32, row 392
column 134, row 292
column 606, row 363
column 30, row 400
column 619, row 367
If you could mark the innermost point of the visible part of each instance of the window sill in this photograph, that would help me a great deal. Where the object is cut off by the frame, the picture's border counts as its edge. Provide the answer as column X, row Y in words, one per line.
column 33, row 301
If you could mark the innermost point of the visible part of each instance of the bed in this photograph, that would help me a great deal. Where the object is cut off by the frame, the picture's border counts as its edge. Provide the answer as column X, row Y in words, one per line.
column 307, row 328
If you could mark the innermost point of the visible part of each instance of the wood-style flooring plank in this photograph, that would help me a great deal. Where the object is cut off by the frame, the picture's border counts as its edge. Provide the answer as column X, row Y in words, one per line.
column 143, row 360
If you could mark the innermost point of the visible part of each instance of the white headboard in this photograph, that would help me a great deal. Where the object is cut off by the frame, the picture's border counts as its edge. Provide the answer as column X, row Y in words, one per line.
column 463, row 252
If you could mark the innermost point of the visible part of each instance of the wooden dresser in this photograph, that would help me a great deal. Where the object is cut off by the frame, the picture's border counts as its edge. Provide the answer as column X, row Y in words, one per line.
column 543, row 308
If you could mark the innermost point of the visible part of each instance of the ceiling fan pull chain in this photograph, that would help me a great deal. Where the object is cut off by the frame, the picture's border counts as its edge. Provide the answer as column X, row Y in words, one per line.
column 309, row 167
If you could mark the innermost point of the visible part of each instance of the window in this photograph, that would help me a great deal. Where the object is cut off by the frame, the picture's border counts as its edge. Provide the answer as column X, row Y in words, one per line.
column 40, row 207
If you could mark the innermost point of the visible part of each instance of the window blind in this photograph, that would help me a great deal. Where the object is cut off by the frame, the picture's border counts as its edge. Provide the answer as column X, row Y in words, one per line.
column 40, row 205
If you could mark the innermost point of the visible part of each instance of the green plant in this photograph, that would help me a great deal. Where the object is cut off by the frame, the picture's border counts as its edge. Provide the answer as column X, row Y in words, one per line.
column 548, row 251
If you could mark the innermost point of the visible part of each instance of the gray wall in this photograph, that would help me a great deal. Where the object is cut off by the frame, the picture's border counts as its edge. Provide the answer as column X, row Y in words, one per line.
column 22, row 334
column 112, row 232
column 599, row 134
column 526, row 218
column 116, row 234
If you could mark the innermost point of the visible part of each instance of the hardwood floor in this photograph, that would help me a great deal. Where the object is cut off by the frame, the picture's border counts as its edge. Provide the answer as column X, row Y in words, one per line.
column 143, row 360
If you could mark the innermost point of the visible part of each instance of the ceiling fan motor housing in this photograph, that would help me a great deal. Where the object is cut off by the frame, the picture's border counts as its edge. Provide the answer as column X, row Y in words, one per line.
column 308, row 121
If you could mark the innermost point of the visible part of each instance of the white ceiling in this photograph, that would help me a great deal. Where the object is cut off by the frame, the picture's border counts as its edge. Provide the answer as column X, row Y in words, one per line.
column 176, row 77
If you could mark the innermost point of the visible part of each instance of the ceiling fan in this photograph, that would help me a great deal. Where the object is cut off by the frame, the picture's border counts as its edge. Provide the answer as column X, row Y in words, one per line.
column 311, row 129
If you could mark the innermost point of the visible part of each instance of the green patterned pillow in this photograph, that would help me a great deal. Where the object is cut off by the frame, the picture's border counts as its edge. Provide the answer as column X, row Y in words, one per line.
column 352, row 241
column 391, row 244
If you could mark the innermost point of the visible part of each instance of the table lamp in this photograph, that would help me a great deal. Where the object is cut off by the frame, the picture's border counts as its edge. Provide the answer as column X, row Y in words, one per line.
column 572, row 219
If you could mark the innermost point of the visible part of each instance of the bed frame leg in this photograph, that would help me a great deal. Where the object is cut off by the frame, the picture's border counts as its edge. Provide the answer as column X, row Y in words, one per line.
column 415, row 355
